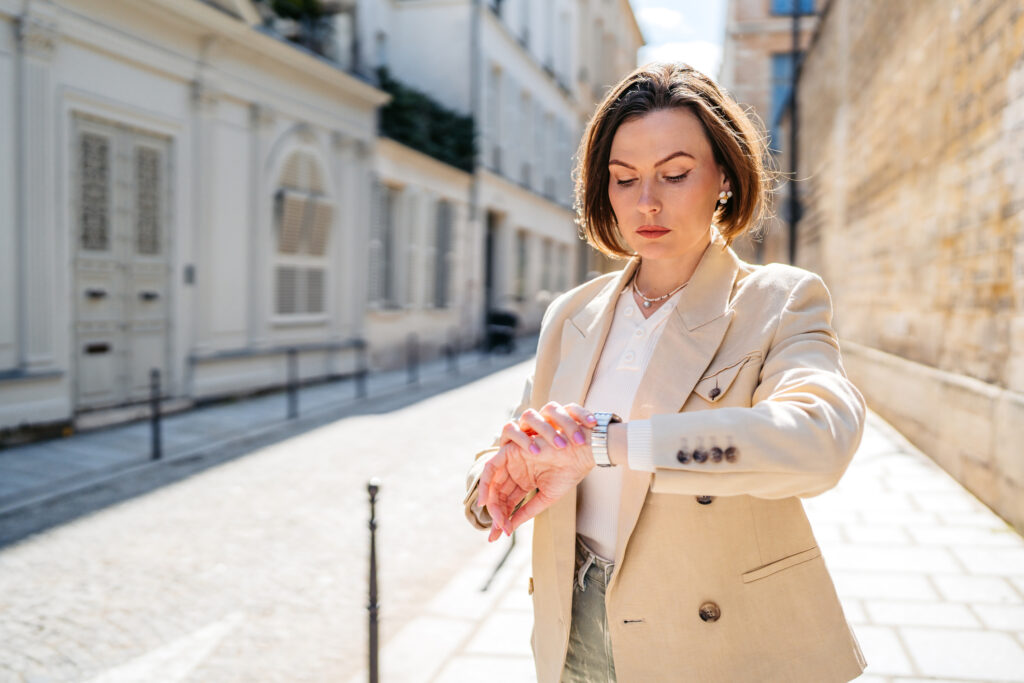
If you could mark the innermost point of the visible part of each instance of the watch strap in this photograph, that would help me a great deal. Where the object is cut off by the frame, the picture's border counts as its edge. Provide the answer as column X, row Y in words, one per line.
column 599, row 438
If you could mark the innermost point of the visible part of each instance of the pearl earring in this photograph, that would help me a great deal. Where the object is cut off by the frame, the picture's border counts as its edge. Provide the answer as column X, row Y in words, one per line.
column 723, row 196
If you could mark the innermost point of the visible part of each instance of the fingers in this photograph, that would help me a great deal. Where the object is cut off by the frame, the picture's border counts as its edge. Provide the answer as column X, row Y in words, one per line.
column 494, row 465
column 511, row 432
column 531, row 509
column 557, row 425
column 581, row 414
column 532, row 420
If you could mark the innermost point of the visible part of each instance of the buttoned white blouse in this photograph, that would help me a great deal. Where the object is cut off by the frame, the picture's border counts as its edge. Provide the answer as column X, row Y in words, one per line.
column 624, row 358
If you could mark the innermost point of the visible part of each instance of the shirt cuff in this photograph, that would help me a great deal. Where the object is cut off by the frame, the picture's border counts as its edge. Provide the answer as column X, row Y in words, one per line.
column 638, row 443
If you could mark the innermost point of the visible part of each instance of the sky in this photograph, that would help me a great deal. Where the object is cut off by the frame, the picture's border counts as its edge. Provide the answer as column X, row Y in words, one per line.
column 682, row 30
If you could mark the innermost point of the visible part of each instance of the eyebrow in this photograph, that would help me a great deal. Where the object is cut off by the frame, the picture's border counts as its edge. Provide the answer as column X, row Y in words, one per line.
column 671, row 156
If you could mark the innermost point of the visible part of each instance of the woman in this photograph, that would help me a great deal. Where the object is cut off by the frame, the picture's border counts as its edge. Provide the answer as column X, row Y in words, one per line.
column 677, row 412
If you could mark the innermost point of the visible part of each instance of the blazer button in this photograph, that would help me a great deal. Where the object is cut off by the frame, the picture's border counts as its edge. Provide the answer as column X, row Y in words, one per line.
column 716, row 454
column 731, row 453
column 700, row 455
column 705, row 500
column 683, row 457
column 709, row 611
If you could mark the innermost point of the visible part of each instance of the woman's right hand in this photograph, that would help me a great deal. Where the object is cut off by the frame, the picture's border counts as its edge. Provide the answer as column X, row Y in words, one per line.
column 554, row 423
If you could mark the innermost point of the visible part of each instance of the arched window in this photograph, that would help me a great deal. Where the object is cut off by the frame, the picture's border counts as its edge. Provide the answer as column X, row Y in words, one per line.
column 302, row 230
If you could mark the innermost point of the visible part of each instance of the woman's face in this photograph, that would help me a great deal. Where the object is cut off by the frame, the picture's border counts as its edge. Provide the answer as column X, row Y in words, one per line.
column 664, row 184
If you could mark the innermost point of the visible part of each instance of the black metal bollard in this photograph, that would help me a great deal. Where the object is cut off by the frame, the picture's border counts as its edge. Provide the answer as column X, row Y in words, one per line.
column 373, row 487
column 413, row 358
column 293, row 383
column 154, row 414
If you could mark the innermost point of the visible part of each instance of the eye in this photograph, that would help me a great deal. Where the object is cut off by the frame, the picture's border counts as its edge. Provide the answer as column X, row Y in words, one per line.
column 626, row 182
column 676, row 178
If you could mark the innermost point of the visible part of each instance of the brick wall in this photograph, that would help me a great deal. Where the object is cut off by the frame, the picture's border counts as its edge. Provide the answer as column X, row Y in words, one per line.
column 912, row 147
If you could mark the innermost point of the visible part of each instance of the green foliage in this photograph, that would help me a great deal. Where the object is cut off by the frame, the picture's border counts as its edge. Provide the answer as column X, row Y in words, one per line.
column 298, row 9
column 417, row 120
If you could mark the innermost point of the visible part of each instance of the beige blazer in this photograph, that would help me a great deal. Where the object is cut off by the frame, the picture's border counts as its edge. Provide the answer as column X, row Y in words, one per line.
column 718, row 577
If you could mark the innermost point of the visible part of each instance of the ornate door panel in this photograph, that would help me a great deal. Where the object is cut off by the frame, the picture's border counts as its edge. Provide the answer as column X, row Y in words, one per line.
column 121, row 194
column 147, row 273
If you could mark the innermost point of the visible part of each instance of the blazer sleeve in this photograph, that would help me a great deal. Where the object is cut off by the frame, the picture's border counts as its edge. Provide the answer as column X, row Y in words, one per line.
column 805, row 421
column 476, row 515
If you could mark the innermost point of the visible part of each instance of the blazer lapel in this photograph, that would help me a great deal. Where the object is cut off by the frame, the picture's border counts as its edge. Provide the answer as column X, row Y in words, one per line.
column 687, row 345
column 583, row 338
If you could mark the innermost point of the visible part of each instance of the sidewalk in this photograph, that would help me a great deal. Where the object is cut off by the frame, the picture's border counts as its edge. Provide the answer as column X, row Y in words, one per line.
column 931, row 580
column 41, row 482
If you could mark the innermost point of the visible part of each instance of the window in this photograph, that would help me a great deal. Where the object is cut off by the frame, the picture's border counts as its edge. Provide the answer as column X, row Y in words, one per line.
column 546, row 280
column 383, row 247
column 521, row 258
column 782, row 80
column 551, row 154
column 382, row 48
column 302, row 225
column 443, row 260
column 524, row 22
column 526, row 136
column 563, row 268
column 786, row 6
column 494, row 117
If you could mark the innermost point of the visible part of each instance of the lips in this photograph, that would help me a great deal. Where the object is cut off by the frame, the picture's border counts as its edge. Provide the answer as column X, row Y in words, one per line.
column 652, row 231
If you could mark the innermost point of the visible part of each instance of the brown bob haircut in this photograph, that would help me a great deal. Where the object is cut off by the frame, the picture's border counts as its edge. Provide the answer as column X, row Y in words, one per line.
column 738, row 148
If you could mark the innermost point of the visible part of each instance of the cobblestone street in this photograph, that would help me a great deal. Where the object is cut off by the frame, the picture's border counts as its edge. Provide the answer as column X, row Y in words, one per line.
column 255, row 570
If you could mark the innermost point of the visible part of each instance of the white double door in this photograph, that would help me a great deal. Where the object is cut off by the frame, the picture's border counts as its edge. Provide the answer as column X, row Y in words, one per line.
column 120, row 184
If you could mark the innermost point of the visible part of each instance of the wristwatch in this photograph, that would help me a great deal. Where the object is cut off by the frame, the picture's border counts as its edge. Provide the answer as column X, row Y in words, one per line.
column 599, row 438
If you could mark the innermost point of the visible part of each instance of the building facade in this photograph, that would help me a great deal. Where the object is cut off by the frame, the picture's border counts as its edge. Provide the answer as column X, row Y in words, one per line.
column 189, row 193
column 530, row 73
column 914, row 214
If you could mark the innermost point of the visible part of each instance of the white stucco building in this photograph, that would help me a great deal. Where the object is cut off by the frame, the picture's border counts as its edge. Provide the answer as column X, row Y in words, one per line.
column 182, row 189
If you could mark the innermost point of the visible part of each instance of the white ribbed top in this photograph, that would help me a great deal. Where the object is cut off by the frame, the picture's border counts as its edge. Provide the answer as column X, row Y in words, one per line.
column 624, row 358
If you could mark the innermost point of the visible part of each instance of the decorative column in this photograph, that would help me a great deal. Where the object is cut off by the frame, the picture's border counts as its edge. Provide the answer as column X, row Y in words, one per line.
column 36, row 187
column 347, row 266
column 362, row 216
column 204, row 121
column 261, row 239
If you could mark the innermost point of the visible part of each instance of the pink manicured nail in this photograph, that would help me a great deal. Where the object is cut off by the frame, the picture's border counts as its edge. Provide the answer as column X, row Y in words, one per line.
column 591, row 418
column 534, row 448
column 578, row 437
column 560, row 442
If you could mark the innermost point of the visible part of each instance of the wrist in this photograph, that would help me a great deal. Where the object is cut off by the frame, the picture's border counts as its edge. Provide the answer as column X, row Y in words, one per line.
column 618, row 451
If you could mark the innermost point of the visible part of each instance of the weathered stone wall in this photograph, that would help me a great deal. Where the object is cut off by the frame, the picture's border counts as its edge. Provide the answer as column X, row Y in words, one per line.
column 912, row 150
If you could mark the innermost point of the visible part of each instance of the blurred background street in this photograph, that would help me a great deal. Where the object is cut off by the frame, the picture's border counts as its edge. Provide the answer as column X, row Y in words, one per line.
column 255, row 252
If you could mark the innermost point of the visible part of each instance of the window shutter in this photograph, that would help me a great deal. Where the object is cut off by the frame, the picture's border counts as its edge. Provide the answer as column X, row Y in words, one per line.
column 287, row 285
column 442, row 255
column 292, row 213
column 375, row 288
column 319, row 225
column 314, row 290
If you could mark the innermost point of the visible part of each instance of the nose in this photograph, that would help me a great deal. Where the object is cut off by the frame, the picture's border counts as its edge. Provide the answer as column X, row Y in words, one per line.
column 648, row 202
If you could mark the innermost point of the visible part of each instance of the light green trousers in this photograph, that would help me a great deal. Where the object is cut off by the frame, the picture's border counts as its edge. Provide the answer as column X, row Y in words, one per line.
column 589, row 659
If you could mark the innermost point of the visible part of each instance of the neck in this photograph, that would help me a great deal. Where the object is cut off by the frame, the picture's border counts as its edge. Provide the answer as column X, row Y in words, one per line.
column 655, row 277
